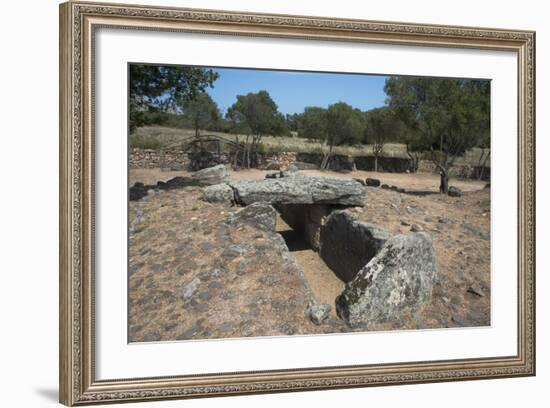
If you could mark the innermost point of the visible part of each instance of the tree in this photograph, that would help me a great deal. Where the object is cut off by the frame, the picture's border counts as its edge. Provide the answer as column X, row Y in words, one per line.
column 345, row 125
column 484, row 155
column 450, row 116
column 293, row 121
column 313, row 123
column 155, row 88
column 201, row 111
column 410, row 138
column 382, row 126
column 256, row 115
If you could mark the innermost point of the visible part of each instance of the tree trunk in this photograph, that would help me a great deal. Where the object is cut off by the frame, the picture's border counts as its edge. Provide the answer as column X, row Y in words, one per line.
column 376, row 163
column 326, row 158
column 413, row 158
column 236, row 157
column 483, row 163
column 444, row 182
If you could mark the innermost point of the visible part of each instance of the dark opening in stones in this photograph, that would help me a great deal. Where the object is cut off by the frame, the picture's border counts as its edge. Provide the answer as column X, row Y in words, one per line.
column 344, row 243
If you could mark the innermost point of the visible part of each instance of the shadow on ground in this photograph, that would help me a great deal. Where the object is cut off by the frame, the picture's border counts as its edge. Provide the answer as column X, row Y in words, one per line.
column 294, row 241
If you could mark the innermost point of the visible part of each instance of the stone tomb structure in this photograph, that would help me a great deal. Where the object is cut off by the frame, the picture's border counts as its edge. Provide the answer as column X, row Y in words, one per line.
column 386, row 275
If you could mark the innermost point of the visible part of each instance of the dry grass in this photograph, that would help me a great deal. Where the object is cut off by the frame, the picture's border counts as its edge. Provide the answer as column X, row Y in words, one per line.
column 154, row 137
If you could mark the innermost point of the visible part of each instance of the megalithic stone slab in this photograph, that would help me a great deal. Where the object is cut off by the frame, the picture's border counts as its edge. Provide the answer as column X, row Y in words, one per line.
column 300, row 190
column 398, row 280
column 348, row 244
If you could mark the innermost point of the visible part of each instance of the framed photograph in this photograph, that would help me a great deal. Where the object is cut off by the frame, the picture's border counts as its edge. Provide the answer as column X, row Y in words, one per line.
column 256, row 203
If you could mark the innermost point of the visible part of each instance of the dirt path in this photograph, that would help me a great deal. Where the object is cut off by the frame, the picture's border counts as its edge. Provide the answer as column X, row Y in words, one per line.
column 322, row 280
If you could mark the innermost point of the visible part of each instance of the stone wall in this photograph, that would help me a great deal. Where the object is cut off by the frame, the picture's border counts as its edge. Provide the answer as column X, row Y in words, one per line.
column 177, row 159
column 173, row 159
column 460, row 171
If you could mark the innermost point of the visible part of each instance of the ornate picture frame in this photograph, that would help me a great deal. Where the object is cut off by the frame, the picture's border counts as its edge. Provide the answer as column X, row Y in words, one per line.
column 78, row 24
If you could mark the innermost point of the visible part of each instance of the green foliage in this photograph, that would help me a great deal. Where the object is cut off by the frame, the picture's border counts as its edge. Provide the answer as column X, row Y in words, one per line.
column 345, row 125
column 293, row 122
column 449, row 115
column 313, row 123
column 383, row 126
column 256, row 114
column 163, row 87
column 201, row 112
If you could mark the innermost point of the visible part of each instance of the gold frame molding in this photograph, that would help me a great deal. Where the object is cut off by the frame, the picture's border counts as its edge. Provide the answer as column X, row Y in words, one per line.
column 78, row 22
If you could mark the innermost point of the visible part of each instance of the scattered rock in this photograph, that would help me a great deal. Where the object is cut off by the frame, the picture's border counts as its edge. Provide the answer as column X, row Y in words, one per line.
column 260, row 215
column 360, row 181
column 285, row 173
column 454, row 192
column 398, row 280
column 319, row 313
column 211, row 175
column 476, row 290
column 277, row 174
column 487, row 186
column 138, row 191
column 218, row 193
column 483, row 235
column 405, row 223
column 385, row 186
column 152, row 337
column 416, row 228
column 397, row 200
column 190, row 289
column 459, row 321
column 178, row 182
column 292, row 168
column 372, row 182
column 300, row 190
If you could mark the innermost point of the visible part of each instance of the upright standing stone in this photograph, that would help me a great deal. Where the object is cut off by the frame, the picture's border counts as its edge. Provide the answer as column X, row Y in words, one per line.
column 348, row 244
column 398, row 280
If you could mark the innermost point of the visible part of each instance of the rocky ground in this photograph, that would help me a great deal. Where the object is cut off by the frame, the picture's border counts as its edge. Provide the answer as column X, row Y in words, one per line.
column 460, row 228
column 194, row 274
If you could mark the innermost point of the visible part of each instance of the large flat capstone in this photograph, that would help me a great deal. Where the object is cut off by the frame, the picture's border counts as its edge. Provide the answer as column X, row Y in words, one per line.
column 398, row 280
column 300, row 190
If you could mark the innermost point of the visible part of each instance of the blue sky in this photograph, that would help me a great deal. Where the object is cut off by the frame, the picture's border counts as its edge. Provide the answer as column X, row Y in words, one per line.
column 292, row 91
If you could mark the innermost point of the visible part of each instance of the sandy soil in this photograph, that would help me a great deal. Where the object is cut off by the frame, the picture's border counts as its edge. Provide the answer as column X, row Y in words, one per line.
column 322, row 281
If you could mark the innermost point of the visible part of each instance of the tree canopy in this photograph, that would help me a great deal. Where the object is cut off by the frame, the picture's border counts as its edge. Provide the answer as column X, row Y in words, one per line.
column 383, row 126
column 201, row 111
column 449, row 115
column 257, row 114
column 162, row 87
column 345, row 125
column 313, row 123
